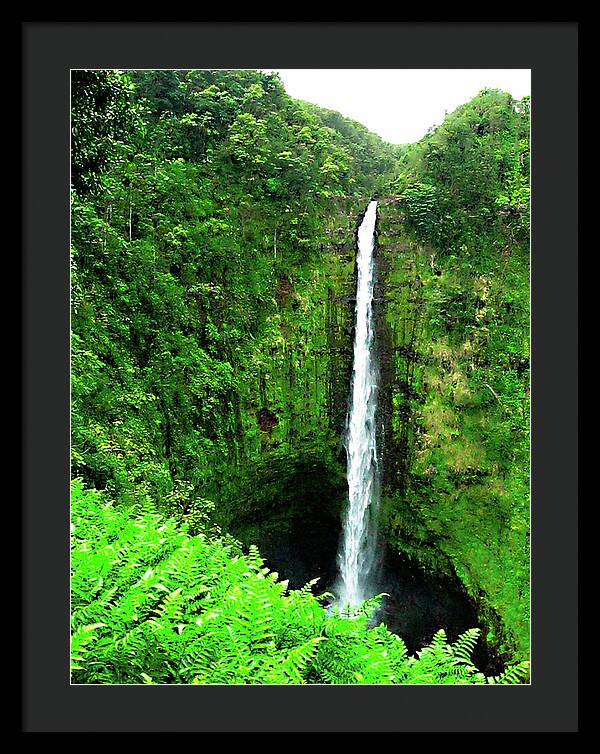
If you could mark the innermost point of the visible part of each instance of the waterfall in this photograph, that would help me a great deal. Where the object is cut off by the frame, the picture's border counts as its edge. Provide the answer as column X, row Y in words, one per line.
column 358, row 551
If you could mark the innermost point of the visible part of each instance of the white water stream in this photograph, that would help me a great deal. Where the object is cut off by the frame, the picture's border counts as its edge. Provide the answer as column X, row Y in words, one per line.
column 357, row 555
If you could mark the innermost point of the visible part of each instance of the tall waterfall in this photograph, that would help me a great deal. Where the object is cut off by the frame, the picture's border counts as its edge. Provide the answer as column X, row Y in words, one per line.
column 358, row 551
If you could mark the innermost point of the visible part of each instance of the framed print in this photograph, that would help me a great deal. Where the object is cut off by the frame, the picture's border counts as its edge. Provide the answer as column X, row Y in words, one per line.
column 288, row 377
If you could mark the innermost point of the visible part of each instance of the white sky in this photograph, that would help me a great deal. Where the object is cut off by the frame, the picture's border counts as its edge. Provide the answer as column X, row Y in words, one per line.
column 400, row 104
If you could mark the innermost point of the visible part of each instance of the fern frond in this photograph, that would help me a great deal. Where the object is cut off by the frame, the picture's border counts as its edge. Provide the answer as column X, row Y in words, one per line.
column 152, row 604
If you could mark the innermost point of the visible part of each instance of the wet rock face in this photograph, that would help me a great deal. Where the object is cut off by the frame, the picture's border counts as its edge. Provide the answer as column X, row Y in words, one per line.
column 266, row 419
column 419, row 604
column 305, row 550
column 290, row 507
column 284, row 290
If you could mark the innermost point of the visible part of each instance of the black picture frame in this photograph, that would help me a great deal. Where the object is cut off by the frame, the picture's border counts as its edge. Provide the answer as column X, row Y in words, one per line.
column 49, row 51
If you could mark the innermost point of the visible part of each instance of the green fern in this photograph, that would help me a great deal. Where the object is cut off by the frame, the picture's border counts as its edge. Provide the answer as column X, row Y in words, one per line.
column 152, row 604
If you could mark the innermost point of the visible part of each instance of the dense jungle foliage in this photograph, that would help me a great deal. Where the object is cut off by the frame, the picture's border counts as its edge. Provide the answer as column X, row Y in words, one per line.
column 460, row 334
column 218, row 189
column 213, row 222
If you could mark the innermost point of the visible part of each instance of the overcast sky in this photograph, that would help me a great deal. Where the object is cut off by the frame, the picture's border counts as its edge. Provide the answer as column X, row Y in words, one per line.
column 400, row 104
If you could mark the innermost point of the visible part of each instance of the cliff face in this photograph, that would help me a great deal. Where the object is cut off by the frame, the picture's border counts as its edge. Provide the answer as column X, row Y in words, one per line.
column 211, row 278
column 453, row 419
column 454, row 408
column 286, row 490
column 304, row 360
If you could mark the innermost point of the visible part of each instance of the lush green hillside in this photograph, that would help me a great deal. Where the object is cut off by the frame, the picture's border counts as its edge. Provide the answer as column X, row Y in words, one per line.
column 454, row 255
column 213, row 232
column 212, row 248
